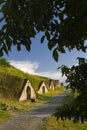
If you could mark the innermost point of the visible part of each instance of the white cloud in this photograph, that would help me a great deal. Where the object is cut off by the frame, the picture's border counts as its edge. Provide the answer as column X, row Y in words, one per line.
column 31, row 68
column 53, row 75
column 25, row 66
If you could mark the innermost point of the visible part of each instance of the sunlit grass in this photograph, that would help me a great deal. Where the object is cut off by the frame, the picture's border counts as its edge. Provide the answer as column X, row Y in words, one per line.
column 15, row 105
column 4, row 115
column 53, row 124
column 12, row 71
column 10, row 107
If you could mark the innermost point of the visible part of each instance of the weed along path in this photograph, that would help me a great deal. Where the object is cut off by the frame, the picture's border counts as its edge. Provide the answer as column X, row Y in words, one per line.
column 34, row 119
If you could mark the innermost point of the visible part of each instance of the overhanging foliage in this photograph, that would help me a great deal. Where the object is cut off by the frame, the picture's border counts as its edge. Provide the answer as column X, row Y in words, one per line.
column 63, row 23
column 77, row 81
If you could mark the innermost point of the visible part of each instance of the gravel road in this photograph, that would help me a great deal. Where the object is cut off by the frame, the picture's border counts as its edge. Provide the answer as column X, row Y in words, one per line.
column 34, row 119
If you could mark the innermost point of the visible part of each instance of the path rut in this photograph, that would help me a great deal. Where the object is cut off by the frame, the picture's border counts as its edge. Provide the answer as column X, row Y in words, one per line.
column 34, row 119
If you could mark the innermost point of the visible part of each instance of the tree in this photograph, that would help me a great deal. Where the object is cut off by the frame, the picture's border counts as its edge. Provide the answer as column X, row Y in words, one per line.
column 63, row 23
column 77, row 81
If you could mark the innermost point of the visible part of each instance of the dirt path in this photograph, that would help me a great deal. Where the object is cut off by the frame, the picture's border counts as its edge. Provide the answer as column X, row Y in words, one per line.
column 34, row 119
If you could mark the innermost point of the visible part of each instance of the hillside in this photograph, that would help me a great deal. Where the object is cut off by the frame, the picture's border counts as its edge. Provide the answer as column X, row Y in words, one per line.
column 11, row 79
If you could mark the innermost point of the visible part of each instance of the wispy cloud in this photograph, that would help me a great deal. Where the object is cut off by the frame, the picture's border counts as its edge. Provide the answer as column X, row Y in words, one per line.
column 31, row 68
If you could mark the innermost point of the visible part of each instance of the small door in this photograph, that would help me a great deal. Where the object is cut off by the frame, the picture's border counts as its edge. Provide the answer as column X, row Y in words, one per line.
column 28, row 93
column 43, row 89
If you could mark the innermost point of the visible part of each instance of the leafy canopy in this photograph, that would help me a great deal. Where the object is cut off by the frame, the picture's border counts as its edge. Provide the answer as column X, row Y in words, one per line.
column 63, row 23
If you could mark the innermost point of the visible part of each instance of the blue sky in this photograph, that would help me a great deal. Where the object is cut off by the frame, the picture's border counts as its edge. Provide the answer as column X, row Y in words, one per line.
column 39, row 60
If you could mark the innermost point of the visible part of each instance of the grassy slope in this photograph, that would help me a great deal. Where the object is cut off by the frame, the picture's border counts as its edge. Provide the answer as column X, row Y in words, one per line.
column 11, row 80
column 15, row 72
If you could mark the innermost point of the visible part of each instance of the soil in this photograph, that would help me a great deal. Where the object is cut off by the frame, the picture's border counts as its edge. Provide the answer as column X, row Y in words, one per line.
column 34, row 119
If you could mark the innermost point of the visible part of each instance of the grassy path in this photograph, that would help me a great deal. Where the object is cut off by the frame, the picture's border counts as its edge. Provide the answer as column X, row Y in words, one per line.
column 34, row 119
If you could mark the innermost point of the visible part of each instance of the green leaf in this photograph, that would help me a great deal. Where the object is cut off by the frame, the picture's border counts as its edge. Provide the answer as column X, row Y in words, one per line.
column 63, row 50
column 42, row 39
column 28, row 47
column 51, row 44
column 1, row 53
column 5, row 49
column 1, row 19
column 47, row 35
column 18, row 47
column 55, row 55
column 8, row 42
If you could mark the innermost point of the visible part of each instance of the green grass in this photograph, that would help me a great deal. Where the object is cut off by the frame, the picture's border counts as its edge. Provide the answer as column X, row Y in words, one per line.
column 9, row 107
column 12, row 71
column 4, row 115
column 17, row 106
column 53, row 124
